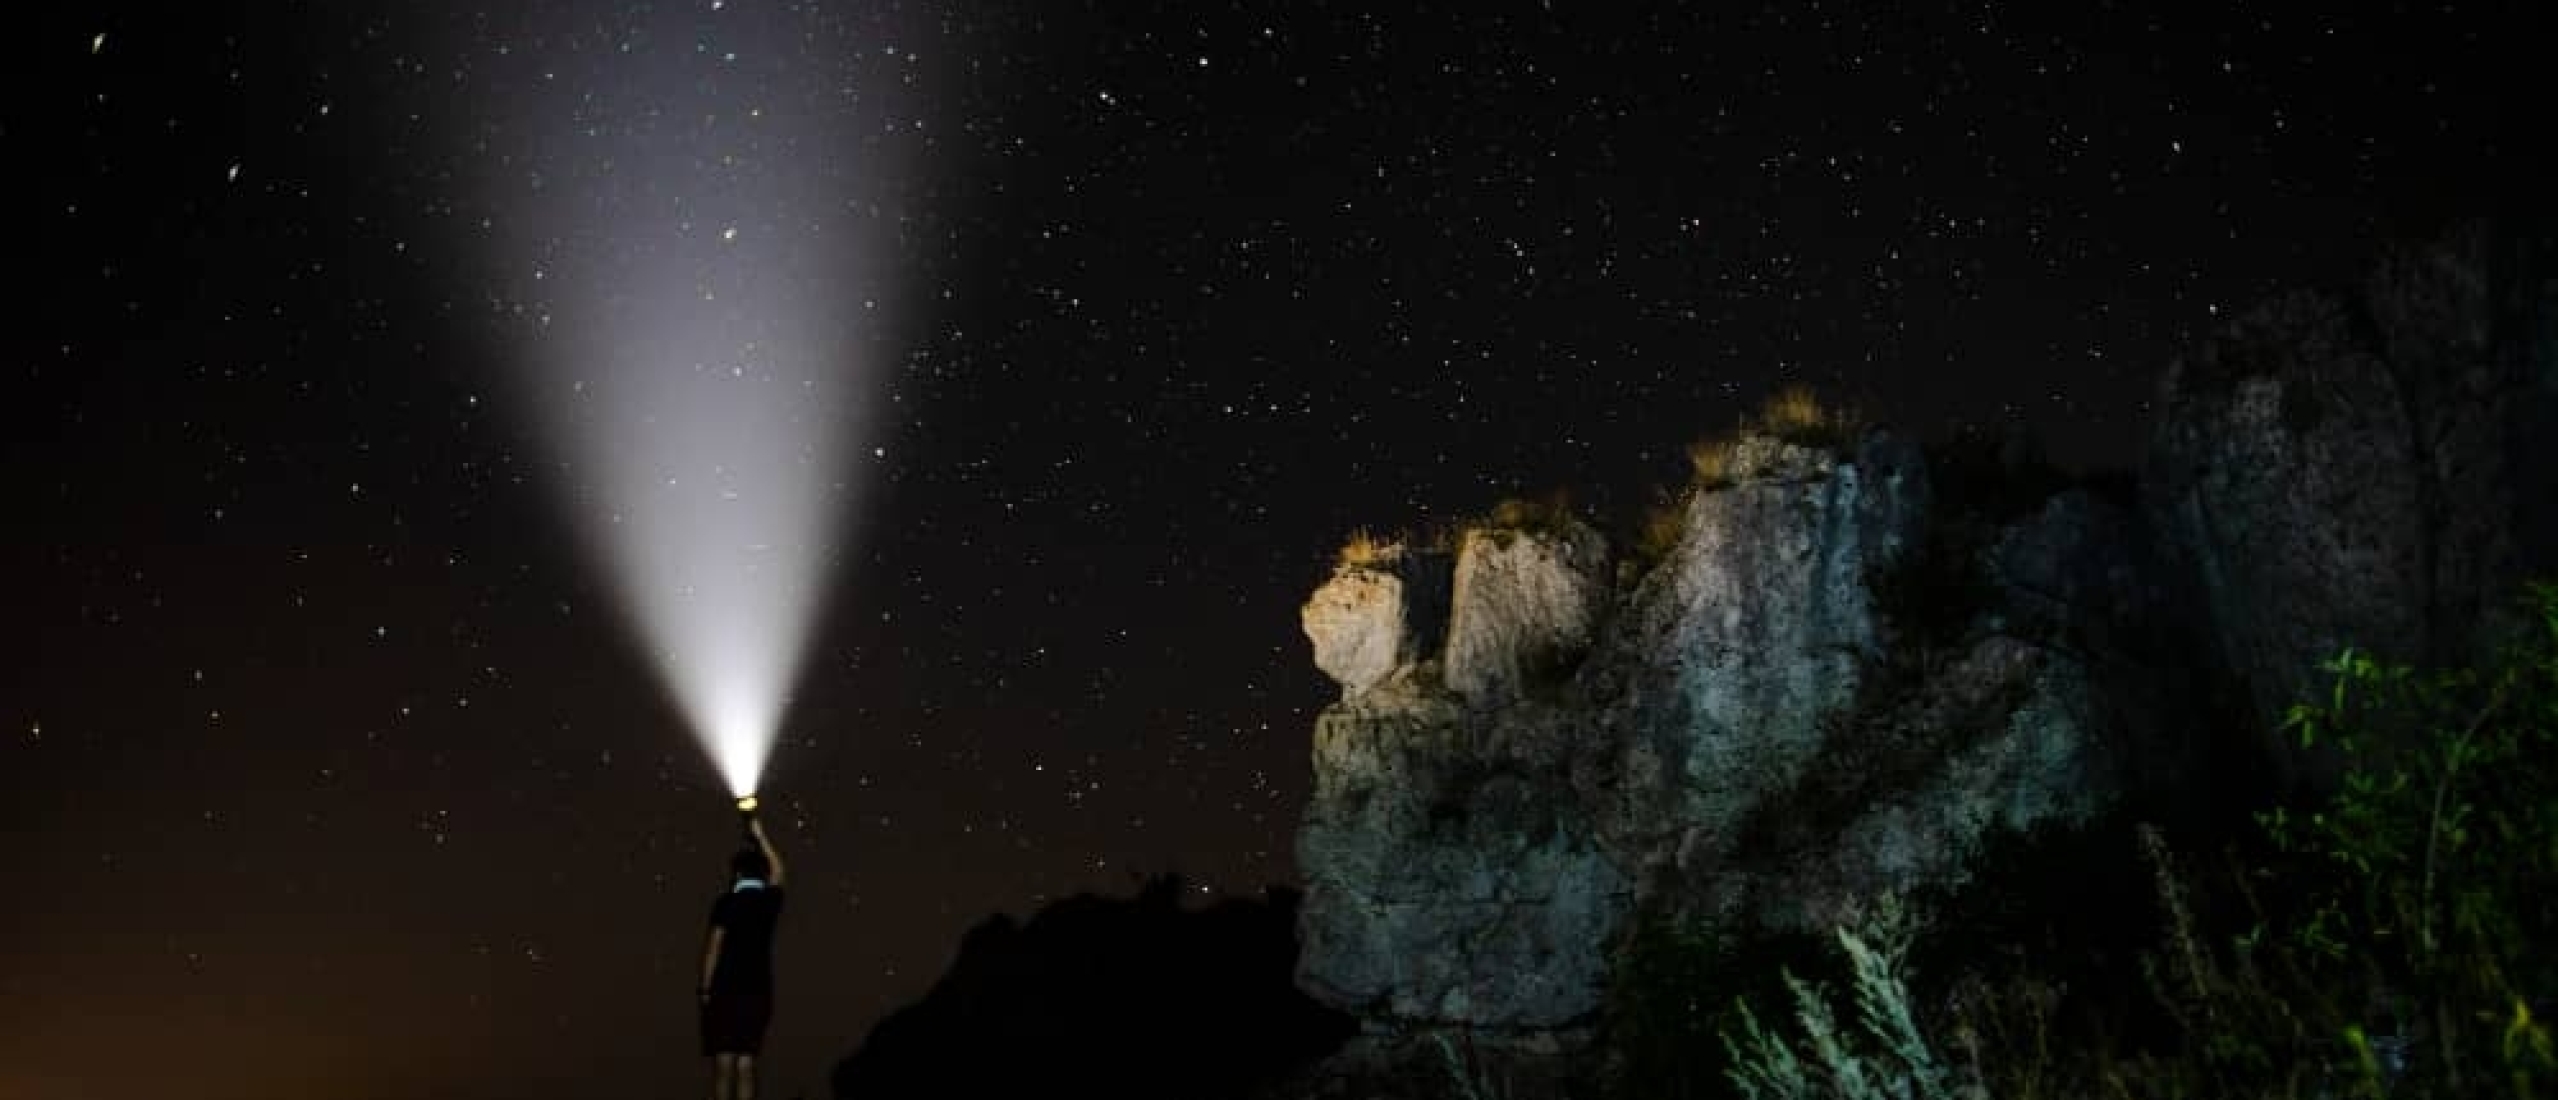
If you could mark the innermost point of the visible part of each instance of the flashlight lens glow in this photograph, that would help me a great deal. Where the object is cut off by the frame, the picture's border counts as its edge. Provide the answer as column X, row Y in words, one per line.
column 747, row 804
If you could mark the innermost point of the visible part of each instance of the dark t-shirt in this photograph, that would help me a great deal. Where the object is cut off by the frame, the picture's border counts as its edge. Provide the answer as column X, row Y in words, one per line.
column 746, row 949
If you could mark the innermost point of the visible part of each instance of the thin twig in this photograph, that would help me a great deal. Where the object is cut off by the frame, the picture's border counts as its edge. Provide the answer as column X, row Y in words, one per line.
column 2433, row 842
column 2434, row 822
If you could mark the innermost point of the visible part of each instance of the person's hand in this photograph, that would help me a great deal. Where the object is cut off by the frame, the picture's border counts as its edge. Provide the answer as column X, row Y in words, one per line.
column 755, row 825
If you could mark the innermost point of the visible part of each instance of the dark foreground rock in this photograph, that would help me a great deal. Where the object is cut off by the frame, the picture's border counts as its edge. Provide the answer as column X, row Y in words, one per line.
column 1136, row 997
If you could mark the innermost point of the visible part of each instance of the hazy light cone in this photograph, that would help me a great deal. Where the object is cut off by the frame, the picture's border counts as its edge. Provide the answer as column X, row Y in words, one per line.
column 717, row 517
column 692, row 222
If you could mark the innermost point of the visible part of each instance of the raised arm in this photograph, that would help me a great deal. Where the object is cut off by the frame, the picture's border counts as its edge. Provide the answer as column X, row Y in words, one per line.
column 772, row 858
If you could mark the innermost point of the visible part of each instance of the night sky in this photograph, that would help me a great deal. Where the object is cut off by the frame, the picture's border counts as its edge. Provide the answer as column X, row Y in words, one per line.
column 329, row 765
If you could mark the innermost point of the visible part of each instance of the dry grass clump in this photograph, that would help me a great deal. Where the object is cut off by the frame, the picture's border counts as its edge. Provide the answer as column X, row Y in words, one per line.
column 1549, row 513
column 1371, row 549
column 1799, row 416
column 1794, row 414
column 1794, row 410
column 1366, row 548
column 1711, row 461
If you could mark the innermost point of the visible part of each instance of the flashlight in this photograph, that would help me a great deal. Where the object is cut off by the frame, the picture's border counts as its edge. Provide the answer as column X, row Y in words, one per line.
column 746, row 817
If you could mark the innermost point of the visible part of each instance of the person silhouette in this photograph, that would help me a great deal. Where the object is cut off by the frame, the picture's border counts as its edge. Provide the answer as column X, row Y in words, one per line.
column 736, row 994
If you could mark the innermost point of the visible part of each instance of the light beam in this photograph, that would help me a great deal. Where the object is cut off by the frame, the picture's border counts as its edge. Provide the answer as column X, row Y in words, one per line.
column 691, row 213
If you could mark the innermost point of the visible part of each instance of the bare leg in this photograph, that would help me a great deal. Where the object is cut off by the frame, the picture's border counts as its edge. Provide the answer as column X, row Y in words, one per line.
column 723, row 1077
column 745, row 1077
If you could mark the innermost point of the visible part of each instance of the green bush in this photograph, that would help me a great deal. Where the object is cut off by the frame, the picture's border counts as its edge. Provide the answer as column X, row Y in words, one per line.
column 1676, row 989
column 2389, row 939
column 2398, row 931
column 2440, row 851
column 1883, row 1057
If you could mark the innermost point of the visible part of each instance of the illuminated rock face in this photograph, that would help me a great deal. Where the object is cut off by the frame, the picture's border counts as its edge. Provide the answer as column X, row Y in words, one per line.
column 1374, row 618
column 1490, row 812
column 1742, row 737
column 1739, row 650
column 1526, row 607
column 1457, row 886
column 1458, row 881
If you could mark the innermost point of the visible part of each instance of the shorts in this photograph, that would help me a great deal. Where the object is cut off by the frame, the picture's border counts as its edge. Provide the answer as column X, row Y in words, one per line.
column 733, row 1022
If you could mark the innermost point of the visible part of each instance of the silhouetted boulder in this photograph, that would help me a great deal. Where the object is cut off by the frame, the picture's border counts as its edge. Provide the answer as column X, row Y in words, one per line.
column 1135, row 997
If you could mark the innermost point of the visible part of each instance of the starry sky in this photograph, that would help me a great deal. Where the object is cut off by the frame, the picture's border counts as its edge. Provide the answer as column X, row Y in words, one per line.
column 329, row 763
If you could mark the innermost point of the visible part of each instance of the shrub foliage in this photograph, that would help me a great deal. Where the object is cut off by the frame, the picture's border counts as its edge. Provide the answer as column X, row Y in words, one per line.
column 2389, row 938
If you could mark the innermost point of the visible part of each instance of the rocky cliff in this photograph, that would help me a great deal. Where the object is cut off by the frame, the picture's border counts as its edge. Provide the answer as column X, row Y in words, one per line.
column 2368, row 466
column 1856, row 662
